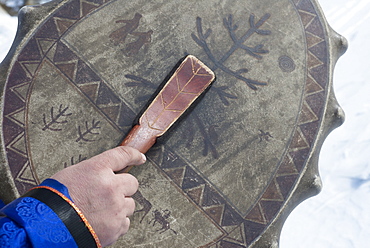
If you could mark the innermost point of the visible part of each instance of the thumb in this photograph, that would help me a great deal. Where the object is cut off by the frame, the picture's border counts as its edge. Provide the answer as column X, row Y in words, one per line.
column 120, row 157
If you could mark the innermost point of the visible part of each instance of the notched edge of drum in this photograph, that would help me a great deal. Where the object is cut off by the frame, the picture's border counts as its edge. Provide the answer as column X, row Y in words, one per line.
column 310, row 182
column 29, row 18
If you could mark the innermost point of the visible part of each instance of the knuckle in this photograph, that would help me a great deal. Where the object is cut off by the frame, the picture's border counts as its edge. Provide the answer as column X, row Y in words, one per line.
column 130, row 203
column 125, row 226
column 135, row 182
column 132, row 182
column 108, row 186
column 108, row 189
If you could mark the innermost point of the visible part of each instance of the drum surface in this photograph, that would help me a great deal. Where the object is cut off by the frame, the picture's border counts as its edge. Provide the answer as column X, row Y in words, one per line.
column 225, row 173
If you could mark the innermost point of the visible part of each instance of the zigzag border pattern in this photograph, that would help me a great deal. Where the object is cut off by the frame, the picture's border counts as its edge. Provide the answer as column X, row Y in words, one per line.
column 46, row 44
column 240, row 231
column 294, row 162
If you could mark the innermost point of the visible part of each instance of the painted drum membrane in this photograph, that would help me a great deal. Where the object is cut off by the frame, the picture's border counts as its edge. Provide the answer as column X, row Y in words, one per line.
column 232, row 170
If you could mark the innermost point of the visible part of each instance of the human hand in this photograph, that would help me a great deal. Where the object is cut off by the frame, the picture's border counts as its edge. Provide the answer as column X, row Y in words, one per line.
column 103, row 196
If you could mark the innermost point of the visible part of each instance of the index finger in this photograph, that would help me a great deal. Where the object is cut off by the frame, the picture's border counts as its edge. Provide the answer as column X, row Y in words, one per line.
column 121, row 157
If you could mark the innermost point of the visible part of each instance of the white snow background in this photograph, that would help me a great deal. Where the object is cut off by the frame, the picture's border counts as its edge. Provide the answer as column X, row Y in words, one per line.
column 339, row 216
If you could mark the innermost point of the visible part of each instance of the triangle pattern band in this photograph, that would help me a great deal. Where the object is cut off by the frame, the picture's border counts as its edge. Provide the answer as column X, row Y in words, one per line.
column 272, row 193
column 18, row 145
column 307, row 115
column 306, row 17
column 237, row 236
column 202, row 194
column 197, row 189
column 299, row 141
column 21, row 90
column 287, row 166
column 96, row 90
column 18, row 117
column 257, row 215
column 45, row 45
column 27, row 175
column 30, row 67
column 87, row 7
column 41, row 44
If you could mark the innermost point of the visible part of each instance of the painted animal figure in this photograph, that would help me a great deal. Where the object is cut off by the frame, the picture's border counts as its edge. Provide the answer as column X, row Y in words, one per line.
column 161, row 218
column 147, row 206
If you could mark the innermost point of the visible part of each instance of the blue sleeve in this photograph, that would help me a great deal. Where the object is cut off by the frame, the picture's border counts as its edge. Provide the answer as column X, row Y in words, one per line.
column 28, row 222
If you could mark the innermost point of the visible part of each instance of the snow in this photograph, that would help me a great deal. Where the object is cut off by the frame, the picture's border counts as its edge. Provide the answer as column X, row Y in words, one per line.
column 339, row 215
column 8, row 28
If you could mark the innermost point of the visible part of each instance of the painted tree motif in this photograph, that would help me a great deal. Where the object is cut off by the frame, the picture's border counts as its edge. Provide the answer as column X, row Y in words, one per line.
column 57, row 118
column 237, row 43
column 89, row 131
column 209, row 133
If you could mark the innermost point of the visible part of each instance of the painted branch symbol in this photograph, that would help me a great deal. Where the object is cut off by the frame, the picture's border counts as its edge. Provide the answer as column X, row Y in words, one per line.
column 55, row 118
column 91, row 130
column 238, row 43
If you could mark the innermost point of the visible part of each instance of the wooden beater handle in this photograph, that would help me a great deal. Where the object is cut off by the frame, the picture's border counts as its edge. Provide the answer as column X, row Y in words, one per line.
column 187, row 83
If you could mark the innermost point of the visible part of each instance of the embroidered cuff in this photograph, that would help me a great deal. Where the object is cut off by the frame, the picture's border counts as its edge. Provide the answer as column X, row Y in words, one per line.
column 70, row 215
column 31, row 223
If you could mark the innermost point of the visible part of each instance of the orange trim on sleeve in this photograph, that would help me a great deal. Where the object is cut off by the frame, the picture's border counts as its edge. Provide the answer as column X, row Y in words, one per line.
column 79, row 212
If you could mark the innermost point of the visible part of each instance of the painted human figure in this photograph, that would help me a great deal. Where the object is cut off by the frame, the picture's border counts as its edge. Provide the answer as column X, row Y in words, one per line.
column 134, row 47
column 120, row 35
